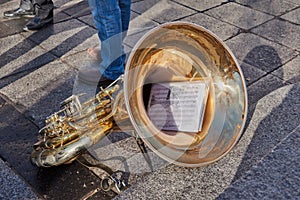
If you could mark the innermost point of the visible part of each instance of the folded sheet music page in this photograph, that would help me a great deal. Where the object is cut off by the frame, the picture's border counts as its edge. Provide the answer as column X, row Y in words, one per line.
column 178, row 106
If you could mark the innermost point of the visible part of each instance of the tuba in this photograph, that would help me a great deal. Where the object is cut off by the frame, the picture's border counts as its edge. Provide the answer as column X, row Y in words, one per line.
column 176, row 52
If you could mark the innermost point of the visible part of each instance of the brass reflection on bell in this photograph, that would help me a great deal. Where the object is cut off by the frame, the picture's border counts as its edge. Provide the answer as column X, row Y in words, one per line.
column 173, row 52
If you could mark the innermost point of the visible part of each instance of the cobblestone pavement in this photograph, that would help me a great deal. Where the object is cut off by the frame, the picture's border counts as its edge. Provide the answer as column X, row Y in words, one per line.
column 38, row 70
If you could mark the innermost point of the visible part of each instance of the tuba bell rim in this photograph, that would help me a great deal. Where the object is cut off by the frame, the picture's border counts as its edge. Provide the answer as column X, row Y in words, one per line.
column 127, row 92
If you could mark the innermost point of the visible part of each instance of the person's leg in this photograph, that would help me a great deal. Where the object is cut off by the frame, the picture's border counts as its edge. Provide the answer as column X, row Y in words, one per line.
column 125, row 14
column 43, row 14
column 107, row 17
column 24, row 10
column 124, row 5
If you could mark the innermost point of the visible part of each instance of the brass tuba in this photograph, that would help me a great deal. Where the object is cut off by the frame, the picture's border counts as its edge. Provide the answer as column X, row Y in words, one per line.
column 172, row 52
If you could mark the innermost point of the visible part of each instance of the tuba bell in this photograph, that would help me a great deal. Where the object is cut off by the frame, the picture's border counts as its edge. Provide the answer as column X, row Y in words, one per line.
column 176, row 52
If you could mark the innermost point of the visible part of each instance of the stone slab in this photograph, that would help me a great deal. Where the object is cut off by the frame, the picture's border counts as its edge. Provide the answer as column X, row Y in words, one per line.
column 251, row 74
column 15, row 50
column 221, row 29
column 64, row 3
column 275, row 116
column 120, row 152
column 60, row 16
column 259, row 52
column 293, row 16
column 294, row 1
column 263, row 87
column 239, row 15
column 274, row 7
column 12, row 26
column 201, row 6
column 138, row 27
column 17, row 135
column 88, row 19
column 138, row 24
column 265, row 130
column 274, row 177
column 161, row 11
column 290, row 72
column 76, row 9
column 280, row 31
column 12, row 186
column 64, row 38
column 132, row 39
column 40, row 92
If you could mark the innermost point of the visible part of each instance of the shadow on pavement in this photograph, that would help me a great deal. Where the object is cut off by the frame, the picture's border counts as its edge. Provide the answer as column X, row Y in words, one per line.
column 278, row 123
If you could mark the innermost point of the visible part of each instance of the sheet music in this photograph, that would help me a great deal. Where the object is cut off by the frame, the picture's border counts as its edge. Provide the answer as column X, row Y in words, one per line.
column 178, row 106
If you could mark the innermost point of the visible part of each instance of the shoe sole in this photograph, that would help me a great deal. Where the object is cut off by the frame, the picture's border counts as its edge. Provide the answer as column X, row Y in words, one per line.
column 18, row 16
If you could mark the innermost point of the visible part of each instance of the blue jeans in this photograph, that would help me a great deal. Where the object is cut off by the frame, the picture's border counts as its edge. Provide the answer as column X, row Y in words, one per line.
column 111, row 18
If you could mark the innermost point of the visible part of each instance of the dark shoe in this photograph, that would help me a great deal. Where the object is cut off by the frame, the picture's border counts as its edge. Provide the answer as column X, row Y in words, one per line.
column 92, row 76
column 19, row 12
column 37, row 23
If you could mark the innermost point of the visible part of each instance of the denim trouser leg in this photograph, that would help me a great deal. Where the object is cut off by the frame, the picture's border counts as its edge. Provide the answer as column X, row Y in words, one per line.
column 108, row 17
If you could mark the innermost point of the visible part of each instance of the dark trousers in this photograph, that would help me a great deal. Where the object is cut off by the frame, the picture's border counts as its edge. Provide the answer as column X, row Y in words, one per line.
column 42, row 8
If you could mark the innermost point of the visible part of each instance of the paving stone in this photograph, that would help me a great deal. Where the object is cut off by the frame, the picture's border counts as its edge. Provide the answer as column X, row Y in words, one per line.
column 139, row 24
column 40, row 92
column 64, row 3
column 88, row 19
column 161, row 11
column 239, row 15
column 267, row 126
column 201, row 6
column 263, row 87
column 221, row 29
column 12, row 26
column 60, row 16
column 290, row 72
column 15, row 50
column 138, row 27
column 64, row 38
column 123, row 155
column 12, row 186
column 293, row 16
column 17, row 135
column 76, row 9
column 271, row 127
column 281, row 32
column 132, row 39
column 259, row 52
column 294, row 1
column 274, row 7
column 251, row 74
column 275, row 177
column 82, row 58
